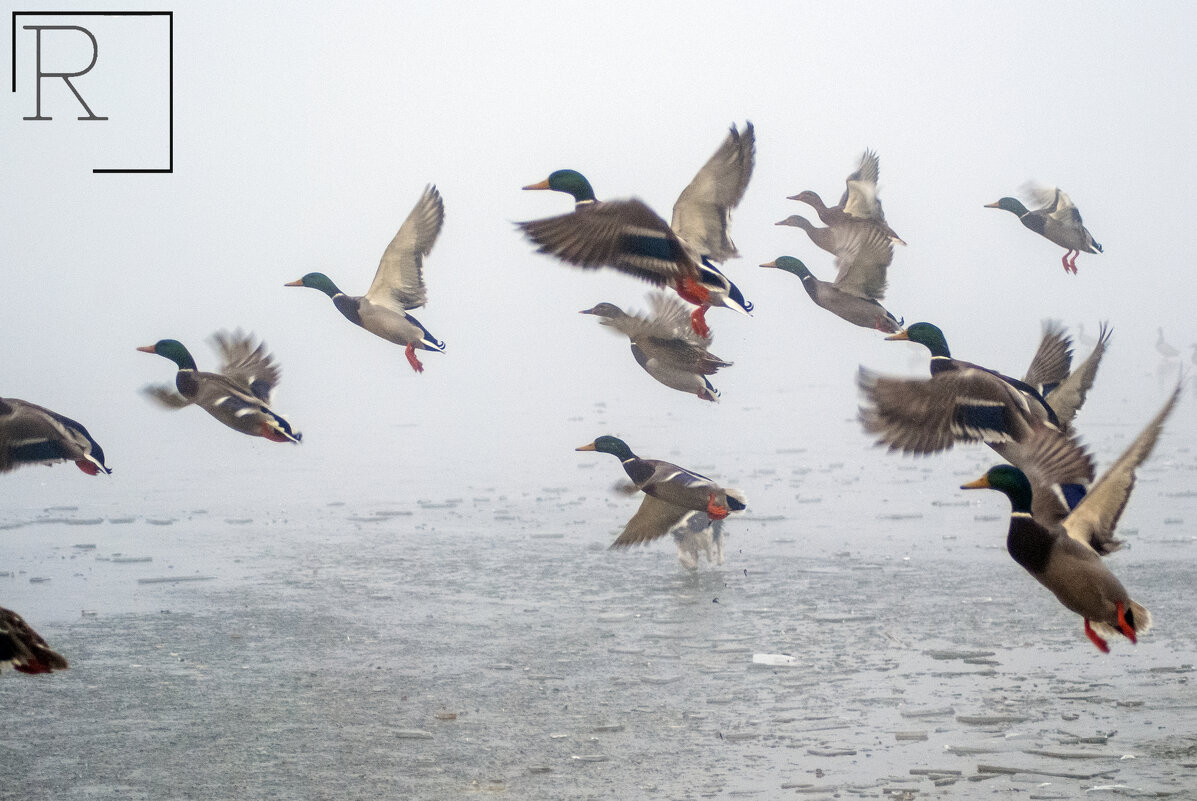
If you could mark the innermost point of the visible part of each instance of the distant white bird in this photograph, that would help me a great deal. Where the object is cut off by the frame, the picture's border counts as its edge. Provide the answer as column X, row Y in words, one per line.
column 1163, row 348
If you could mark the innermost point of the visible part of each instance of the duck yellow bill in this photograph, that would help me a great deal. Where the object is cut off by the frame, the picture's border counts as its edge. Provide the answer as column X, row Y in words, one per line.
column 900, row 335
column 771, row 263
column 980, row 483
column 542, row 185
column 589, row 447
column 997, row 204
column 146, row 349
column 296, row 282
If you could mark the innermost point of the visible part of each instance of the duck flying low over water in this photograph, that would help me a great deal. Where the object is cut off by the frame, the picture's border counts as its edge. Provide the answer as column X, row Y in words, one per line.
column 1057, row 219
column 858, row 204
column 860, row 280
column 238, row 396
column 964, row 402
column 665, row 345
column 398, row 285
column 670, row 493
column 32, row 434
column 23, row 649
column 628, row 236
column 1066, row 555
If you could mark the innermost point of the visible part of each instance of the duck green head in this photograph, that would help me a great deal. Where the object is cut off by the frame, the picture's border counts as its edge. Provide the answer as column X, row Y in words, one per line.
column 790, row 265
column 317, row 281
column 612, row 445
column 1008, row 479
column 571, row 182
column 172, row 349
column 925, row 334
column 1010, row 204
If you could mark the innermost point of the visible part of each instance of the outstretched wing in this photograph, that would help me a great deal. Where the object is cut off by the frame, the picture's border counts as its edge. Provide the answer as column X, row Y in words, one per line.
column 400, row 277
column 1094, row 519
column 1068, row 397
column 867, row 172
column 653, row 519
column 23, row 649
column 1052, row 359
column 702, row 213
column 863, row 253
column 246, row 363
column 930, row 415
column 625, row 235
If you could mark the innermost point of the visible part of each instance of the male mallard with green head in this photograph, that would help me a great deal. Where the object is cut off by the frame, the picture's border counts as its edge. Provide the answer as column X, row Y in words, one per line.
column 398, row 284
column 859, row 284
column 670, row 493
column 1064, row 555
column 627, row 235
column 1057, row 220
column 238, row 396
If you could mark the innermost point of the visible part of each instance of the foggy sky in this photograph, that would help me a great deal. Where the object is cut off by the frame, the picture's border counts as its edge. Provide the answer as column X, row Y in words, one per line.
column 302, row 140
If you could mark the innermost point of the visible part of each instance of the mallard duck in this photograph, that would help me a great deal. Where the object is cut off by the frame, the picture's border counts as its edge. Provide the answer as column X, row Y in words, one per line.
column 1057, row 220
column 854, row 295
column 23, row 649
column 32, row 434
column 824, row 238
column 238, row 396
column 665, row 345
column 628, row 236
column 1065, row 555
column 398, row 284
column 670, row 492
column 858, row 204
column 964, row 402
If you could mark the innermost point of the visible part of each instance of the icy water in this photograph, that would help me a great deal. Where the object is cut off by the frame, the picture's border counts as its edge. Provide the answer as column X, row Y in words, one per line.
column 867, row 637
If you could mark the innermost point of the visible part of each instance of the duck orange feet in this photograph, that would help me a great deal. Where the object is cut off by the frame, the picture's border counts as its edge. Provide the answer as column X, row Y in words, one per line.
column 698, row 322
column 692, row 291
column 1097, row 640
column 1125, row 627
column 87, row 467
column 714, row 510
column 410, row 352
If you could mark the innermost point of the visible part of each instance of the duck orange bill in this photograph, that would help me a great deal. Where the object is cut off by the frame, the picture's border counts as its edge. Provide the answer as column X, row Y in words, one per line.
column 980, row 483
column 296, row 282
column 147, row 349
column 997, row 204
column 589, row 447
column 542, row 185
column 900, row 335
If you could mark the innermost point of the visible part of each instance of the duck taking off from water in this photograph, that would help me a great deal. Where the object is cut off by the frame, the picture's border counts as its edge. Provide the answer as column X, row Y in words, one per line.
column 238, row 396
column 628, row 236
column 398, row 285
column 670, row 493
column 1057, row 219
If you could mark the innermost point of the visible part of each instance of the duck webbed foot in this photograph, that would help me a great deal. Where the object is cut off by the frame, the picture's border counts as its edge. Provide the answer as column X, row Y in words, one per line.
column 1095, row 638
column 714, row 510
column 410, row 352
column 1124, row 626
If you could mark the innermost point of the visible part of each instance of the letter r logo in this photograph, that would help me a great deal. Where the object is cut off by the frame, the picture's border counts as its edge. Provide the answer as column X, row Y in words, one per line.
column 66, row 76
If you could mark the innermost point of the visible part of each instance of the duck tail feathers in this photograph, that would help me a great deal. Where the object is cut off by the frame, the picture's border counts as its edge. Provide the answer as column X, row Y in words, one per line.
column 736, row 500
